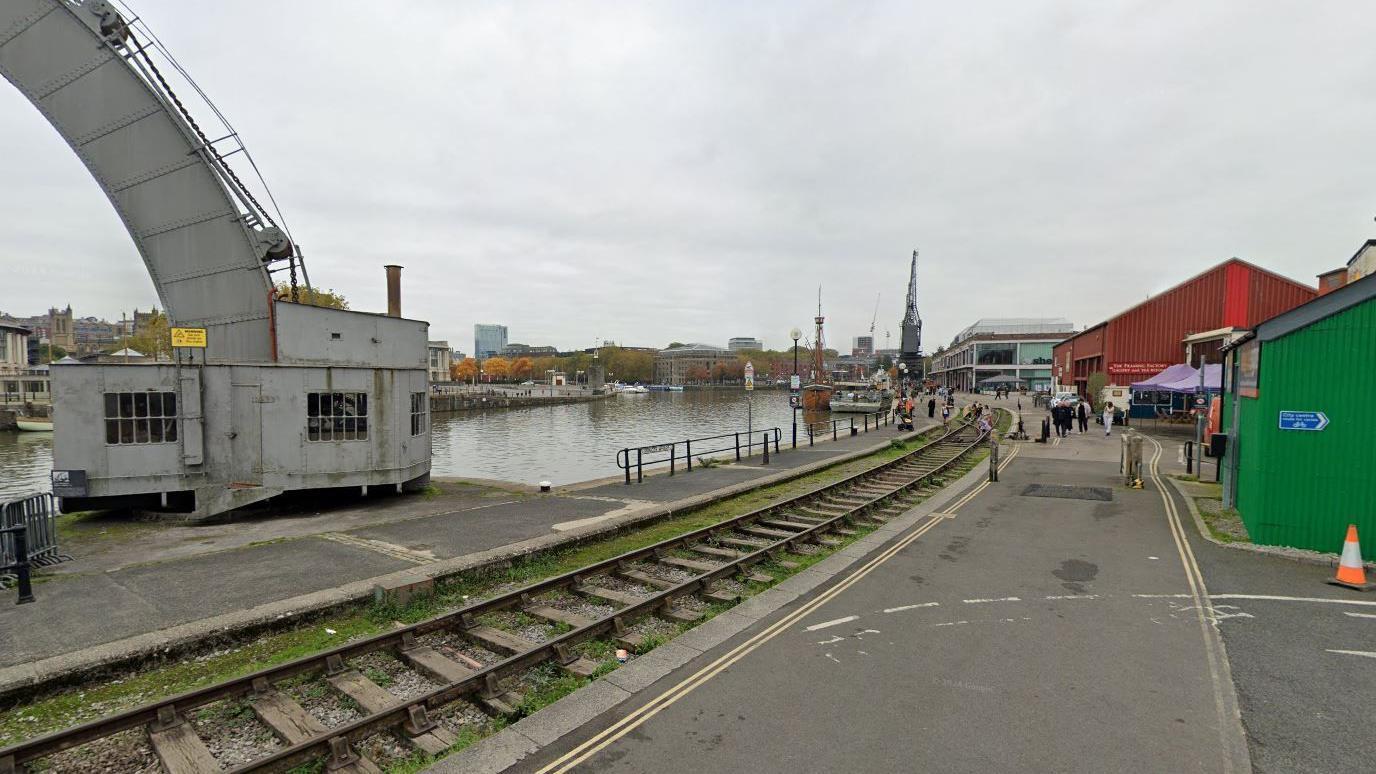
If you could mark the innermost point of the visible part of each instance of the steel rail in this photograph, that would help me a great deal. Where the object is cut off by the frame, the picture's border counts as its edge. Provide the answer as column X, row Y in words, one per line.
column 484, row 680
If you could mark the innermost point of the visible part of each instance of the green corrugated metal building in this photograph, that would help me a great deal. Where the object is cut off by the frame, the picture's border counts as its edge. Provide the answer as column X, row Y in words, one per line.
column 1302, row 487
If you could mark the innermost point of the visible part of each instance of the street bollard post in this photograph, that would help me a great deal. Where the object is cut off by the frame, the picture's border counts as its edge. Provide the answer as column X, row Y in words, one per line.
column 21, row 562
column 766, row 448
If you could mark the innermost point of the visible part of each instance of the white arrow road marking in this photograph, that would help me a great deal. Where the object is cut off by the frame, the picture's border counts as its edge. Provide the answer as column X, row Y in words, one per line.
column 1366, row 653
column 910, row 607
column 832, row 622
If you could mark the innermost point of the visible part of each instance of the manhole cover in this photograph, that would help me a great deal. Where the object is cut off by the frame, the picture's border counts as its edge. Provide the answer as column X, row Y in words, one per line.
column 1069, row 492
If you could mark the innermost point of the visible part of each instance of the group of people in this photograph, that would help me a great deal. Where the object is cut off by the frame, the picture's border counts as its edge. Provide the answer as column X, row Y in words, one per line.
column 1064, row 417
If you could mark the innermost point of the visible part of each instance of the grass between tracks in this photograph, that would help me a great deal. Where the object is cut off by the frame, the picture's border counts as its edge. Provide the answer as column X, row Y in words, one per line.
column 76, row 705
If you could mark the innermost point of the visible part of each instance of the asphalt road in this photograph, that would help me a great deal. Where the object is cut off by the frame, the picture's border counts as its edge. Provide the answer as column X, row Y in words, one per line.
column 1027, row 633
column 1306, row 707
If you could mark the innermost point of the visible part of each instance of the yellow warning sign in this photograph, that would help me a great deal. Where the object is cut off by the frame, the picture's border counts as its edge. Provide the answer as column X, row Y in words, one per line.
column 188, row 337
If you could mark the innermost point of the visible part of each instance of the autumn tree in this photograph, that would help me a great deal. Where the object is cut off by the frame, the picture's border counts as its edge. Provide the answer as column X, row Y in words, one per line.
column 464, row 370
column 521, row 368
column 153, row 338
column 697, row 374
column 499, row 368
column 311, row 296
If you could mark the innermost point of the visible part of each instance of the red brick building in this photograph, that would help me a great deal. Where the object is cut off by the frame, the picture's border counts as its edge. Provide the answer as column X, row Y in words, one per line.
column 1143, row 340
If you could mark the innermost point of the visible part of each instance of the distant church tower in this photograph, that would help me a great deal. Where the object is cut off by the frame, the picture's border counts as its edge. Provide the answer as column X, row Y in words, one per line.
column 60, row 330
column 910, row 351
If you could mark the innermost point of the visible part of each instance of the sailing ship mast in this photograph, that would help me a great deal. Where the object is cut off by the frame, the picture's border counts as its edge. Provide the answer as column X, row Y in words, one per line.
column 818, row 363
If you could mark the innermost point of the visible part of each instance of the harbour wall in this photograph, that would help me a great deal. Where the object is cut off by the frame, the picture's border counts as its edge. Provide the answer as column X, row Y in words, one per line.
column 442, row 404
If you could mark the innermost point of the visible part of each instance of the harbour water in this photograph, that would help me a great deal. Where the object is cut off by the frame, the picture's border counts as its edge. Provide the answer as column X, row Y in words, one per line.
column 561, row 444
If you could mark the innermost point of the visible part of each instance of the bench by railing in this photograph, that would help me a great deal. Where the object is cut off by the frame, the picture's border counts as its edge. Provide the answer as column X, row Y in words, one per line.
column 674, row 452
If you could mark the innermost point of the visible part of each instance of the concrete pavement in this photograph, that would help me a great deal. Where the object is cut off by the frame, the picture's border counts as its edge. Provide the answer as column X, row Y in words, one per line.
column 1047, row 633
column 135, row 587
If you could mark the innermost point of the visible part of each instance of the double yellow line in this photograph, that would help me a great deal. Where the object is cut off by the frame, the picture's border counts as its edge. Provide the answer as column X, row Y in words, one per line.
column 637, row 718
column 1219, row 673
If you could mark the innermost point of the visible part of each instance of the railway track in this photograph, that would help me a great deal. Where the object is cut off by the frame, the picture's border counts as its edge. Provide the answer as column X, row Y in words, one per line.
column 395, row 686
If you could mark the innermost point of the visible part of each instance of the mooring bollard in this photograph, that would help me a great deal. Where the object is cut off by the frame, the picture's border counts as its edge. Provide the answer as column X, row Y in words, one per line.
column 21, row 562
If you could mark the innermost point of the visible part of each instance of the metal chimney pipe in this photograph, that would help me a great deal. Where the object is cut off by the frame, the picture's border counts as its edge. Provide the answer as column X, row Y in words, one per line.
column 393, row 290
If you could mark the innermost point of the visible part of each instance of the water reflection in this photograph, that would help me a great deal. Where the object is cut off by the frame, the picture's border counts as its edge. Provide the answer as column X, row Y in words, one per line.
column 577, row 442
column 562, row 444
column 25, row 459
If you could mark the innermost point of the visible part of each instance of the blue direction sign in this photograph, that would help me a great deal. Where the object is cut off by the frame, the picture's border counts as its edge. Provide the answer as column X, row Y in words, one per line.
column 1303, row 420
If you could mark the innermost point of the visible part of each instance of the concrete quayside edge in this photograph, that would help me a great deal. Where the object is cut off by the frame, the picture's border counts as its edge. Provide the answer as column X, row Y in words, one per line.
column 21, row 680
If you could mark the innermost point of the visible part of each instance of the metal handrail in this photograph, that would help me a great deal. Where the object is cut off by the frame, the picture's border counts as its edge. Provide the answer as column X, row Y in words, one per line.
column 639, row 457
column 868, row 421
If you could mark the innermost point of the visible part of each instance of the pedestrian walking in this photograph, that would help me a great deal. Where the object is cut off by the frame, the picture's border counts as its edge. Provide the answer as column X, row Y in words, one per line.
column 1082, row 413
column 1019, row 404
column 1108, row 419
column 931, row 407
column 945, row 415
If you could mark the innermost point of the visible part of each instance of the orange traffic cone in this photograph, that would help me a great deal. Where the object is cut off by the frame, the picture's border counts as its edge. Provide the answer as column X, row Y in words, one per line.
column 1351, row 573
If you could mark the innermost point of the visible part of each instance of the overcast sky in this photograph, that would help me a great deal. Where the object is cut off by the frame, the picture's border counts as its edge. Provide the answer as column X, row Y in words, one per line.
column 692, row 171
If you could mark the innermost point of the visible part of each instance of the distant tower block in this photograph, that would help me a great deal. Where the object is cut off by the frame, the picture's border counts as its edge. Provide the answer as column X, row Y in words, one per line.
column 910, row 346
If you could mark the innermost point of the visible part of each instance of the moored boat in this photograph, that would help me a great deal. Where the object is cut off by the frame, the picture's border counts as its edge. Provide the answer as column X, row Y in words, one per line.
column 860, row 398
column 35, row 424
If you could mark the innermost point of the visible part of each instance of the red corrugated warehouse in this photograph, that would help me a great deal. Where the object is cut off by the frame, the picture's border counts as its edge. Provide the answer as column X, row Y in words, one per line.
column 1147, row 338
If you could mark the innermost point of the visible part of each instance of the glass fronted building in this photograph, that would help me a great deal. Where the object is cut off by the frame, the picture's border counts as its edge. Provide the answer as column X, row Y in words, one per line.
column 1018, row 347
column 488, row 340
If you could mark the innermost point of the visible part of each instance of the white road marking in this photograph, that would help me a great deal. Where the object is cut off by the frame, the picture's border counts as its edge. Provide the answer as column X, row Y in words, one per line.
column 834, row 639
column 1364, row 653
column 982, row 601
column 1275, row 598
column 1162, row 596
column 833, row 658
column 1360, row 615
column 911, row 607
column 1154, row 558
column 951, row 623
column 832, row 622
column 1071, row 596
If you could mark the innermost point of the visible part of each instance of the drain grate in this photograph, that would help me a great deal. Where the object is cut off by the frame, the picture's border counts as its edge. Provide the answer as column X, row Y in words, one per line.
column 1100, row 493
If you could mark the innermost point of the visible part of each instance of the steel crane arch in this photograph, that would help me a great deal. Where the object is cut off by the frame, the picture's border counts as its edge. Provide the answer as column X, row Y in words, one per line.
column 206, row 242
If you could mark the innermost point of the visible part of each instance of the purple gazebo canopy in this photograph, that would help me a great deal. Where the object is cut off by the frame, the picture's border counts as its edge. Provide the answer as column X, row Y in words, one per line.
column 1184, row 378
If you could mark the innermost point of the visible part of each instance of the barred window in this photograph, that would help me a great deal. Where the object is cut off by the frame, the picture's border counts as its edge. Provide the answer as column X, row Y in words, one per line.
column 420, row 405
column 140, row 417
column 336, row 416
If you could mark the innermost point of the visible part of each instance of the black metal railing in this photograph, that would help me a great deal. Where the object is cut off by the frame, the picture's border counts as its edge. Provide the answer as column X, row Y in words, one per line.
column 675, row 452
column 36, row 518
column 846, row 425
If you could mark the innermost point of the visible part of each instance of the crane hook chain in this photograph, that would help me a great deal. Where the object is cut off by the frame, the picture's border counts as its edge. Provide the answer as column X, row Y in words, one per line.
column 141, row 50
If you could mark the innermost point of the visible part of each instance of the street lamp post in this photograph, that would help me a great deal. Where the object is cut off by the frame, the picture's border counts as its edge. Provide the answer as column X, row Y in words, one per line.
column 794, row 395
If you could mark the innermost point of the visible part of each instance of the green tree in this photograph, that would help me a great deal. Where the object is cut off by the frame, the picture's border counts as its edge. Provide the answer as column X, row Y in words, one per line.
column 675, row 345
column 312, row 297
column 1096, row 384
column 51, row 353
column 153, row 338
